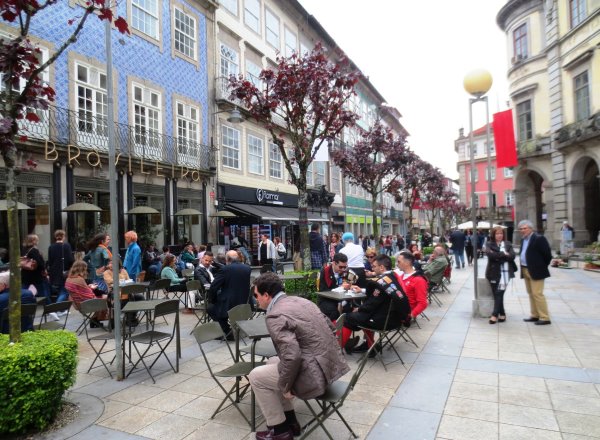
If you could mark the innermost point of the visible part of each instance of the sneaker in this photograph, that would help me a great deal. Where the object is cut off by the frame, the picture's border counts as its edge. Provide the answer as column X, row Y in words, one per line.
column 63, row 313
column 53, row 317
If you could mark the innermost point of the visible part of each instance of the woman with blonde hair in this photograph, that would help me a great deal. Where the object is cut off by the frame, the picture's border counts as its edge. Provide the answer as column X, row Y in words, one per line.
column 500, row 269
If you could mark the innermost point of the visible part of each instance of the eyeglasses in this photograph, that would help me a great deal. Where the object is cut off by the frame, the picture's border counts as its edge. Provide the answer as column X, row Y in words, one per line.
column 342, row 267
column 370, row 256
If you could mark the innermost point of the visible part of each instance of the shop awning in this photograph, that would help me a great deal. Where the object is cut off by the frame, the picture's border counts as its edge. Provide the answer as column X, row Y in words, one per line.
column 274, row 213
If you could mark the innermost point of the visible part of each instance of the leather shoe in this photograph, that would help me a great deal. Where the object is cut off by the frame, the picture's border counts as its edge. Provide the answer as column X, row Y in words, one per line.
column 532, row 319
column 361, row 348
column 350, row 344
column 543, row 323
column 296, row 428
column 270, row 435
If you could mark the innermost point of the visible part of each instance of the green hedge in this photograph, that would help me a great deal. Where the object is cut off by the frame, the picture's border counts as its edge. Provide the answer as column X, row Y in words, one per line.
column 305, row 289
column 34, row 374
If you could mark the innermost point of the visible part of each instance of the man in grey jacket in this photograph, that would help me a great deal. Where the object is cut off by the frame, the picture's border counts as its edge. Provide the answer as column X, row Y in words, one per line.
column 308, row 357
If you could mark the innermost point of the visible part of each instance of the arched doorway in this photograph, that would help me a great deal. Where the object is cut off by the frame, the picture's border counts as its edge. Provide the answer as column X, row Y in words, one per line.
column 586, row 199
column 531, row 199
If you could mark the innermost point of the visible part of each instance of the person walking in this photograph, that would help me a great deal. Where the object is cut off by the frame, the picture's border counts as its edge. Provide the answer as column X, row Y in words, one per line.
column 133, row 256
column 318, row 259
column 457, row 238
column 535, row 256
column 500, row 269
column 469, row 247
column 60, row 259
column 267, row 252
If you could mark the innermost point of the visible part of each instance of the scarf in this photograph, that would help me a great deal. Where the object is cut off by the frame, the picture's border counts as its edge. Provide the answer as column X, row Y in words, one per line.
column 107, row 250
column 504, row 275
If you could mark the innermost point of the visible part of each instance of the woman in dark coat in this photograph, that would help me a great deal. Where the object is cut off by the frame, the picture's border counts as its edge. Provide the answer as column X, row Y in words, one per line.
column 500, row 269
column 60, row 260
column 37, row 276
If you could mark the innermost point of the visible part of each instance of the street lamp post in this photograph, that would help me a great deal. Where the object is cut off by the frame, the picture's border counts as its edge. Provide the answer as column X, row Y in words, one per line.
column 477, row 83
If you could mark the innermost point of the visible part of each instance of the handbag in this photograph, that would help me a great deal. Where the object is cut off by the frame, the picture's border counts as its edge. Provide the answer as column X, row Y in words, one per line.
column 27, row 263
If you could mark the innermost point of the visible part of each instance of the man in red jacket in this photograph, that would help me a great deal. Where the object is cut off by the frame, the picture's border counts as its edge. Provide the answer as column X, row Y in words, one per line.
column 413, row 284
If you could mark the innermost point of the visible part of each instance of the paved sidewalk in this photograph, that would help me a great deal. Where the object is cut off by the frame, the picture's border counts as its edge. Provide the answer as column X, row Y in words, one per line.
column 467, row 379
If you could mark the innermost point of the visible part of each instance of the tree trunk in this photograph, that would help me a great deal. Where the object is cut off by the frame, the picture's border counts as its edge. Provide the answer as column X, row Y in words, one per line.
column 303, row 225
column 375, row 225
column 14, row 249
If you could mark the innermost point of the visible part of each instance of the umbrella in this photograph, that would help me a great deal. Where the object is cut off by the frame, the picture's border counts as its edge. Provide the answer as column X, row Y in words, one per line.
column 486, row 225
column 224, row 213
column 466, row 225
column 3, row 206
column 187, row 211
column 82, row 207
column 142, row 210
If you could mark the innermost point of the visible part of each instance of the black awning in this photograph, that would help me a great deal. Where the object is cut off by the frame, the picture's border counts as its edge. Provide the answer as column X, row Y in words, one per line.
column 274, row 213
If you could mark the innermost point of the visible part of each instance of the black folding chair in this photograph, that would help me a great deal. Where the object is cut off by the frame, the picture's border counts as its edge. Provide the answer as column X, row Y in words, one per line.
column 332, row 400
column 432, row 292
column 153, row 338
column 196, row 301
column 60, row 307
column 27, row 311
column 88, row 309
column 160, row 287
column 263, row 348
column 208, row 332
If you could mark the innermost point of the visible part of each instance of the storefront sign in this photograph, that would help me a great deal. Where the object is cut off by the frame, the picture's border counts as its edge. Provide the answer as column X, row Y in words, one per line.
column 265, row 196
column 75, row 157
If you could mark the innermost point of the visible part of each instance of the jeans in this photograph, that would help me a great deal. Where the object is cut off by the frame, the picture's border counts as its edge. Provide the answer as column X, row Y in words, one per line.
column 460, row 259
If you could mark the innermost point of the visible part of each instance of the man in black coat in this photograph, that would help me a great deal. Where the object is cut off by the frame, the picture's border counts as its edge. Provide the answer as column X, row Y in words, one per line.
column 231, row 287
column 535, row 257
column 457, row 238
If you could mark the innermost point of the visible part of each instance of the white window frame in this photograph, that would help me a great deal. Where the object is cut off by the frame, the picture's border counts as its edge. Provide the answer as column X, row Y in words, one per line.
column 141, row 8
column 230, row 5
column 577, row 12
column 488, row 171
column 187, row 123
column 509, row 198
column 476, row 175
column 229, row 64
column 252, row 15
column 309, row 175
column 581, row 96
column 187, row 36
column 336, row 179
column 253, row 72
column 230, row 147
column 39, row 129
column 524, row 118
column 147, row 120
column 508, row 173
column 272, row 29
column 93, row 119
column 319, row 173
column 275, row 162
column 288, row 36
column 256, row 155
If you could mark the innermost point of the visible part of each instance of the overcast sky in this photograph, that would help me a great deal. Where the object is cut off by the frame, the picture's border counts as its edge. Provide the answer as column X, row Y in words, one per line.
column 416, row 54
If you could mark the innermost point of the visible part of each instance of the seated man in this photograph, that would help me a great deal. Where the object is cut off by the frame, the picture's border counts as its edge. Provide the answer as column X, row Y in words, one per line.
column 229, row 289
column 26, row 298
column 383, row 292
column 203, row 272
column 309, row 358
column 332, row 276
column 434, row 271
column 413, row 283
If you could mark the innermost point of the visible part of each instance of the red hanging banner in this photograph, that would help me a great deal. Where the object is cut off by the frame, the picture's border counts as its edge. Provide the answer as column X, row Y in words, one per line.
column 504, row 138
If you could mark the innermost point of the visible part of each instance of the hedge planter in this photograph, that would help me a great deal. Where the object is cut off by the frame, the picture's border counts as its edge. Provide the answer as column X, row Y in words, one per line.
column 34, row 374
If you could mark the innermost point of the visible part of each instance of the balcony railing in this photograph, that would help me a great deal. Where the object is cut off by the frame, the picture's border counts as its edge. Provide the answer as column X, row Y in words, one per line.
column 89, row 132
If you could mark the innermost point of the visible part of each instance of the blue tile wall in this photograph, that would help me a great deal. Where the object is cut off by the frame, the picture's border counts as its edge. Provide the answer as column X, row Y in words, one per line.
column 137, row 57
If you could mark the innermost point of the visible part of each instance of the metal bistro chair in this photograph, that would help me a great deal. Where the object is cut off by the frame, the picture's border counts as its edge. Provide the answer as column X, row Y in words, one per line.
column 339, row 325
column 88, row 309
column 63, row 306
column 196, row 299
column 206, row 333
column 332, row 400
column 161, row 339
column 263, row 348
column 160, row 287
column 129, row 293
column 27, row 311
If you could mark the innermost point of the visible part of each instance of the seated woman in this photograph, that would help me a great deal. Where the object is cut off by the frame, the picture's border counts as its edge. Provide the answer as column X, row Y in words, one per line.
column 80, row 291
column 187, row 256
column 26, row 298
column 414, row 249
column 177, row 283
column 108, row 275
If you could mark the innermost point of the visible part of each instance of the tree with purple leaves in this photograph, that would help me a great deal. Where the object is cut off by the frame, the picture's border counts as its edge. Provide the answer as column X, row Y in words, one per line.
column 303, row 103
column 375, row 163
column 23, row 93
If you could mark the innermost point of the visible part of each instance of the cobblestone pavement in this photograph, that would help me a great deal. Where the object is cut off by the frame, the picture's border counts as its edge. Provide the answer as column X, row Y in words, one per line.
column 465, row 380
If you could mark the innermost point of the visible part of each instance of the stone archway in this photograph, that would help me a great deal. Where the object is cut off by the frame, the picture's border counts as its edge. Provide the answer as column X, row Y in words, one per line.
column 530, row 200
column 585, row 202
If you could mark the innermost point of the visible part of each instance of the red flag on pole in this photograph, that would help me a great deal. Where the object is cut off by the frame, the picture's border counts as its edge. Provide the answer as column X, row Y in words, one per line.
column 504, row 138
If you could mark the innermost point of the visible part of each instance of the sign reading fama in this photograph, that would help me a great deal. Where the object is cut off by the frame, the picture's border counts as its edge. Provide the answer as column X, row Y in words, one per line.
column 75, row 157
column 262, row 194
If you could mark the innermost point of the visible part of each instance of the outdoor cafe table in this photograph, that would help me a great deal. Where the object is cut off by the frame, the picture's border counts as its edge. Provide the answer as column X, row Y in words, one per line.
column 255, row 329
column 143, row 306
column 341, row 296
